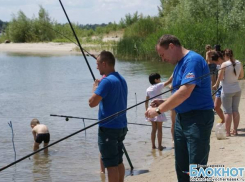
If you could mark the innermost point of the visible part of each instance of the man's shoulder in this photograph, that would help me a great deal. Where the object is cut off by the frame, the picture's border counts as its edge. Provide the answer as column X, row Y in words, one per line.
column 115, row 76
column 195, row 55
column 194, row 58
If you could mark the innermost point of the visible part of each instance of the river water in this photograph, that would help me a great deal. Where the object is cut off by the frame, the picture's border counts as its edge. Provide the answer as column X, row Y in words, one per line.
column 34, row 86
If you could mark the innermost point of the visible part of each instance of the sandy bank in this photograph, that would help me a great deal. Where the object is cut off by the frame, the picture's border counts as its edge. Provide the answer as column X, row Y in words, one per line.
column 43, row 48
column 229, row 152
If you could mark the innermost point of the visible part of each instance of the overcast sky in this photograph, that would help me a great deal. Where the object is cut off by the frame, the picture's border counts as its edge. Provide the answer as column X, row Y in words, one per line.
column 80, row 11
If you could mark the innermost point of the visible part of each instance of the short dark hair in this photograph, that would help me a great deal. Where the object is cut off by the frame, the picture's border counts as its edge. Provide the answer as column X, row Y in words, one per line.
column 154, row 76
column 107, row 57
column 217, row 47
column 216, row 55
column 165, row 40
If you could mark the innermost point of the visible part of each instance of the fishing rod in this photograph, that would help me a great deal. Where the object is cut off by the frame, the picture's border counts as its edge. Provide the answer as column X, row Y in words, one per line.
column 77, row 40
column 146, row 125
column 103, row 120
column 72, row 117
column 124, row 149
column 67, row 119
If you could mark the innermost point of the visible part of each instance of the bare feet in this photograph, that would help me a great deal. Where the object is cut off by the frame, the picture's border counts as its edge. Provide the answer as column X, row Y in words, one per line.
column 161, row 148
column 228, row 134
column 235, row 132
column 153, row 147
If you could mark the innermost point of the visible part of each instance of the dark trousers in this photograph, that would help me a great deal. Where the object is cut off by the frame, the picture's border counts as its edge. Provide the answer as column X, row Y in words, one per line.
column 191, row 139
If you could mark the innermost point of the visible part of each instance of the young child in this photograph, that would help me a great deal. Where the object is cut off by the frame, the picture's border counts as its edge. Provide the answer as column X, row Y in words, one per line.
column 41, row 134
column 153, row 90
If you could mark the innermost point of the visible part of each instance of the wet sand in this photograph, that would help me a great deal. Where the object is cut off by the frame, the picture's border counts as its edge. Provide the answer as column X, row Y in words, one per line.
column 228, row 152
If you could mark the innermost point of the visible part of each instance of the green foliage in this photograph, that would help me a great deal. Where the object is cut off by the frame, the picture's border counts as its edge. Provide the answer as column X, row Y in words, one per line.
column 43, row 29
column 134, row 37
column 19, row 28
column 195, row 22
column 42, row 26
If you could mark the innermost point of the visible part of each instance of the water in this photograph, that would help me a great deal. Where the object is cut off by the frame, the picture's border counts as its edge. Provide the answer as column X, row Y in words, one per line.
column 34, row 86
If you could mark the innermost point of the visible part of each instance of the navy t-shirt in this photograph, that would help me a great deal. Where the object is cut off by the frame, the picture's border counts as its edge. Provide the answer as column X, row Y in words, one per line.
column 191, row 67
column 113, row 90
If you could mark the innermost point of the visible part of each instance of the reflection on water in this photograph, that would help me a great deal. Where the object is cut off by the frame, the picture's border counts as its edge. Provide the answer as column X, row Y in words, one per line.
column 35, row 87
column 41, row 167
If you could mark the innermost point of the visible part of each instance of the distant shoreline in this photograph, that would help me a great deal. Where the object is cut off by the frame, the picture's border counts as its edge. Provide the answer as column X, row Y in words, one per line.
column 44, row 48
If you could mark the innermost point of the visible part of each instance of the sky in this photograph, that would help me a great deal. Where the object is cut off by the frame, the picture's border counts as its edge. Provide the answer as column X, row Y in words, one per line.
column 80, row 11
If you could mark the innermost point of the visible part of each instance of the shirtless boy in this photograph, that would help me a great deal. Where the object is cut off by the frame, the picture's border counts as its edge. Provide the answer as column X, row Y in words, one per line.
column 40, row 133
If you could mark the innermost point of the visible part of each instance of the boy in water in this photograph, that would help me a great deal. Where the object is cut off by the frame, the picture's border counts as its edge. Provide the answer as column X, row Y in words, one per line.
column 40, row 133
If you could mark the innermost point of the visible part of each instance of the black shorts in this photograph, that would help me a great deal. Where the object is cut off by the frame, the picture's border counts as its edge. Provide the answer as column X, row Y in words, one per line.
column 43, row 137
column 111, row 145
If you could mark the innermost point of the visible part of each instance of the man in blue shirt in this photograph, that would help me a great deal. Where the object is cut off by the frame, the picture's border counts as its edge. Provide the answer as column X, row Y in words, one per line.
column 111, row 95
column 192, row 102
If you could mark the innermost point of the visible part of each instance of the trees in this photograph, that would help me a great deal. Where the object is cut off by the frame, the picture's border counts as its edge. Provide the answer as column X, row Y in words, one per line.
column 23, row 29
column 19, row 28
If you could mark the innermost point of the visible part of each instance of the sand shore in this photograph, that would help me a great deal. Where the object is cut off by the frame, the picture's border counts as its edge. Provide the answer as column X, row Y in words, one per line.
column 45, row 48
column 228, row 152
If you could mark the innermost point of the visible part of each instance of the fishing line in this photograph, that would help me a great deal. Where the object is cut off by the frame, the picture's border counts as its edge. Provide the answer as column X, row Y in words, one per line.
column 77, row 40
column 71, row 41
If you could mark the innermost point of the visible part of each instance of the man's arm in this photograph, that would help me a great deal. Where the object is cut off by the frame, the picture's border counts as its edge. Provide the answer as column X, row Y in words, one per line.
column 94, row 100
column 174, row 100
column 168, row 81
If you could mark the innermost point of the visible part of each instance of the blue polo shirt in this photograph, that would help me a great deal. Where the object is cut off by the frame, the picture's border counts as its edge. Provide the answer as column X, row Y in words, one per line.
column 191, row 67
column 113, row 90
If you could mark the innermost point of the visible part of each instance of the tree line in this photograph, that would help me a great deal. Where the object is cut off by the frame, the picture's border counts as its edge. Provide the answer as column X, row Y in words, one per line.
column 195, row 22
column 44, row 29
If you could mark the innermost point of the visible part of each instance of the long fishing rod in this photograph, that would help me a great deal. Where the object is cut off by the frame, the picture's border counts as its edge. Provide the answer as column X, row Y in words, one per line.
column 55, row 115
column 124, row 149
column 77, row 40
column 103, row 120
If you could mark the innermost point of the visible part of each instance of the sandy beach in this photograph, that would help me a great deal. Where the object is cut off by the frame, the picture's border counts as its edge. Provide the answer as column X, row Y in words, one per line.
column 228, row 152
column 46, row 48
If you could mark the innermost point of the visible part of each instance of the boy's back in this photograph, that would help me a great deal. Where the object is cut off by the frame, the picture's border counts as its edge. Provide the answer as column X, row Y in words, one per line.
column 40, row 128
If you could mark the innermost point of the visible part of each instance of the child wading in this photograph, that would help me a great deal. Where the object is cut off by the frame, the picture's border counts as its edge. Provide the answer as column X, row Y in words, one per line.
column 153, row 90
column 40, row 133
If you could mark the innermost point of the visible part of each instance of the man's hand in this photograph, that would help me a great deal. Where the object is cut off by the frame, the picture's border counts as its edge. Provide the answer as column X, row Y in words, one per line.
column 151, row 113
column 95, row 85
column 156, row 102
